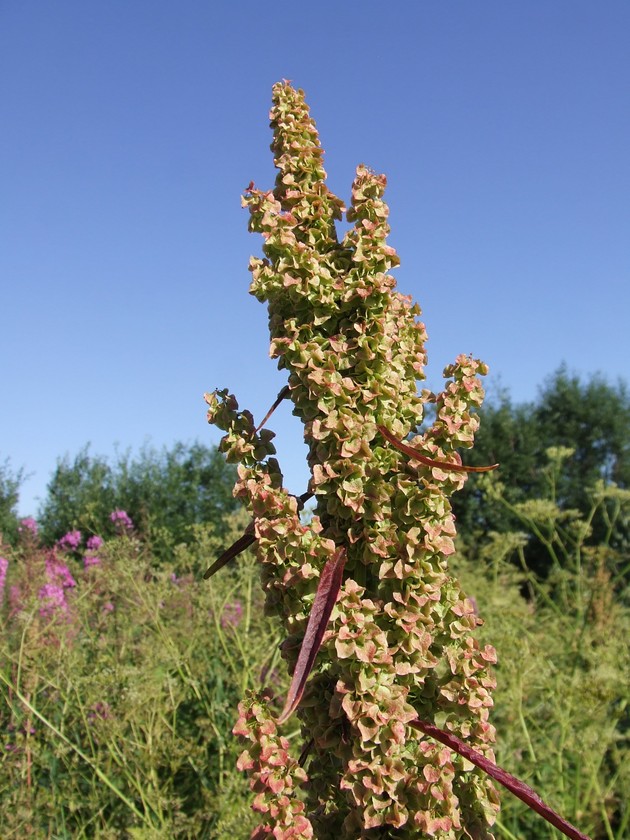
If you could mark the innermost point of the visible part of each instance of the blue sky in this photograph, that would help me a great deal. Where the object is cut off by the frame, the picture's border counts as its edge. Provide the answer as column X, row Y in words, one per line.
column 131, row 129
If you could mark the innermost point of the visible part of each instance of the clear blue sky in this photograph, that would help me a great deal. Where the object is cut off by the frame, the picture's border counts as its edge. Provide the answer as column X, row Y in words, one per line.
column 130, row 129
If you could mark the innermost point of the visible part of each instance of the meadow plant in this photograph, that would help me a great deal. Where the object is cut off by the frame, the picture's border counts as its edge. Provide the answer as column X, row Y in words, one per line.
column 114, row 705
column 28, row 527
column 232, row 614
column 399, row 649
column 562, row 703
column 392, row 689
column 94, row 543
column 4, row 565
column 121, row 520
column 70, row 541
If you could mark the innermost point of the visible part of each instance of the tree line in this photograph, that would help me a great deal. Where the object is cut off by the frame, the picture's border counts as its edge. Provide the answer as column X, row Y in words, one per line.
column 167, row 491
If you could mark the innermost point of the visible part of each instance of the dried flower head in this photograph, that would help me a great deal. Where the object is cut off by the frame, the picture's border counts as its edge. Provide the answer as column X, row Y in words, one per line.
column 400, row 643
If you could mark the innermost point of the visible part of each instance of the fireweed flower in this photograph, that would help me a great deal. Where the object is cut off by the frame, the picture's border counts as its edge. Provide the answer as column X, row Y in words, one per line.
column 52, row 594
column 94, row 543
column 4, row 565
column 15, row 599
column 121, row 520
column 70, row 541
column 90, row 558
column 58, row 573
column 28, row 527
column 53, row 600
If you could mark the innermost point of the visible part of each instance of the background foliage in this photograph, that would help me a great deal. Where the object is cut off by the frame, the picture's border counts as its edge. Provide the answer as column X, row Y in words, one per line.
column 164, row 492
column 591, row 417
column 116, row 716
column 116, row 709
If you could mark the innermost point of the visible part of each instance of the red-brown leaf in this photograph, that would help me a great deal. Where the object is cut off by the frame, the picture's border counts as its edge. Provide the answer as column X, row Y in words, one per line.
column 429, row 462
column 325, row 597
column 243, row 542
column 283, row 393
column 516, row 786
column 248, row 538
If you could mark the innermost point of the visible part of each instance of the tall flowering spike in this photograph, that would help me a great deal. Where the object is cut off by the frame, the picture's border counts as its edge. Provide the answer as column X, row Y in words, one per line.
column 273, row 773
column 399, row 645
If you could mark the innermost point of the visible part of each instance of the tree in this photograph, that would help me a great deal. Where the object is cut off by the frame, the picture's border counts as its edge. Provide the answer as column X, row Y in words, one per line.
column 589, row 416
column 9, row 495
column 163, row 492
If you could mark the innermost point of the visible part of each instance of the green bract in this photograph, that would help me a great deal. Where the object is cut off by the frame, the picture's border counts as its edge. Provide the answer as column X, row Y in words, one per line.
column 399, row 645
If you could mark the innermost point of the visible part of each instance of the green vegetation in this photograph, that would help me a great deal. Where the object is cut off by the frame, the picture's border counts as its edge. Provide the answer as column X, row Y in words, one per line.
column 592, row 418
column 116, row 715
column 164, row 492
column 9, row 495
column 121, row 668
column 562, row 703
column 119, row 681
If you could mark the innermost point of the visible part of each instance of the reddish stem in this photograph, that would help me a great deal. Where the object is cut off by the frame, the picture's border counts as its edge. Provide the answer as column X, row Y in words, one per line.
column 429, row 462
column 516, row 786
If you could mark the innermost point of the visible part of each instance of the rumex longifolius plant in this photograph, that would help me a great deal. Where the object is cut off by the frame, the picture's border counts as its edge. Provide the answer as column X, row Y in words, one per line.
column 372, row 616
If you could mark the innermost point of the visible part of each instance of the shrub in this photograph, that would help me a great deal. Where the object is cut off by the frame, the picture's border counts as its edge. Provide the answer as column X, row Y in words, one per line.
column 164, row 492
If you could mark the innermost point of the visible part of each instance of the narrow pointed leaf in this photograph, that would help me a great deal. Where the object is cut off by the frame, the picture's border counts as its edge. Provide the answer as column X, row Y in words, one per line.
column 325, row 597
column 429, row 462
column 283, row 393
column 516, row 786
column 248, row 538
column 303, row 499
column 305, row 751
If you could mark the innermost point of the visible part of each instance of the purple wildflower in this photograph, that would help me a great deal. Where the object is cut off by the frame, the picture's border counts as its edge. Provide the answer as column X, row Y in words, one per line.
column 4, row 565
column 58, row 573
column 122, row 520
column 70, row 540
column 28, row 526
column 108, row 607
column 53, row 600
column 94, row 543
column 99, row 711
column 91, row 560
column 232, row 614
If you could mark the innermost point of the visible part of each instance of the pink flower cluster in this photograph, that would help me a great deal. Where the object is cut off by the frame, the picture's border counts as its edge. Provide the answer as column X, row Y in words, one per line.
column 90, row 558
column 121, row 520
column 53, row 600
column 4, row 565
column 52, row 595
column 70, row 541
